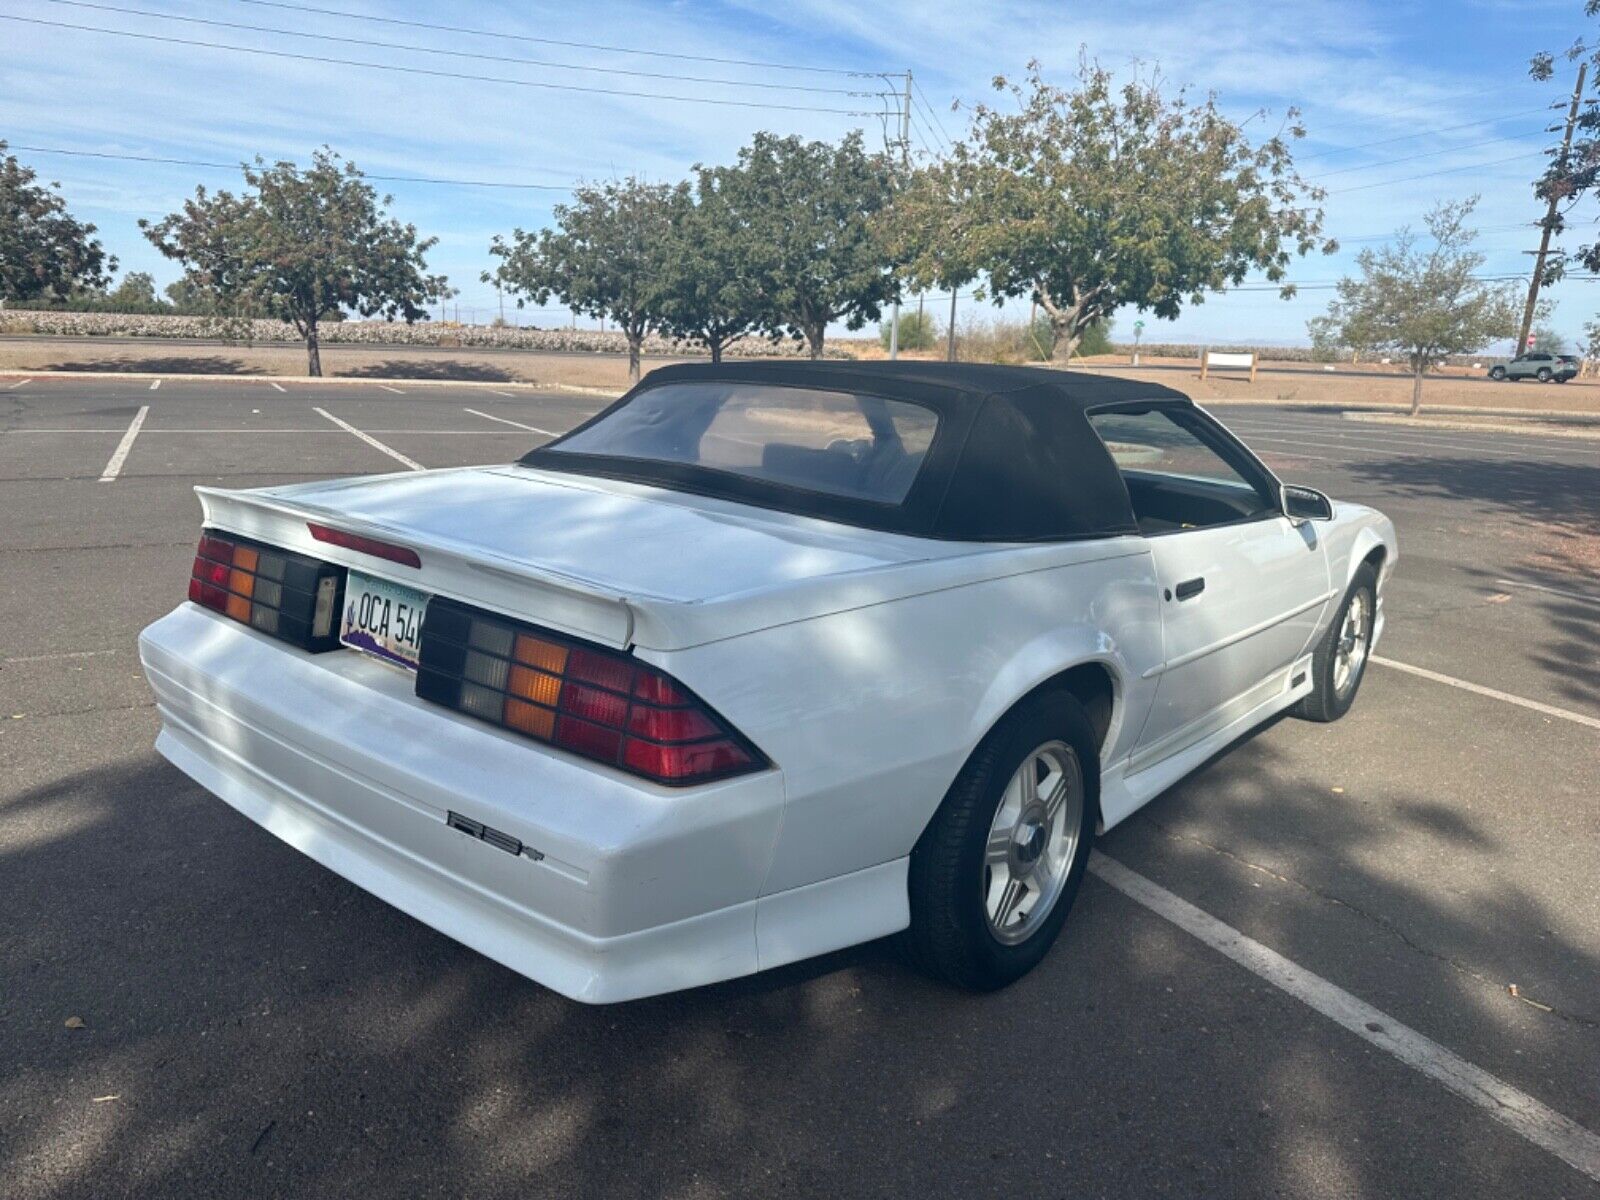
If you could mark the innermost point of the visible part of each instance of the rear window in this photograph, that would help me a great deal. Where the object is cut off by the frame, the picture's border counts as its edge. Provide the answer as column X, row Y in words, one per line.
column 838, row 443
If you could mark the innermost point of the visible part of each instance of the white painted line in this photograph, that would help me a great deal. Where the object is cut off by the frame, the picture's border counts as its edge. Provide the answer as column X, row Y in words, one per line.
column 387, row 388
column 279, row 386
column 370, row 440
column 498, row 392
column 33, row 658
column 14, row 386
column 504, row 421
column 155, row 385
column 1518, row 1111
column 1539, row 587
column 1549, row 710
column 120, row 454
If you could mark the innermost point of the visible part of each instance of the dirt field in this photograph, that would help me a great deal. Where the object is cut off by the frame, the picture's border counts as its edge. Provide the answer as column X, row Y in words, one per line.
column 1349, row 386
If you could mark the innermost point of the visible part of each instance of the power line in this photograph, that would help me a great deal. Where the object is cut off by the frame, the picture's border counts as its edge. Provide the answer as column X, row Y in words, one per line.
column 374, row 66
column 1389, row 162
column 519, row 37
column 190, row 162
column 932, row 112
column 1430, row 174
column 1395, row 112
column 412, row 48
column 1406, row 137
column 932, row 120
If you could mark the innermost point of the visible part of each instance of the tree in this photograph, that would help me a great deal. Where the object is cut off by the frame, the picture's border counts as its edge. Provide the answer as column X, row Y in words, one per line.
column 1089, row 199
column 136, row 293
column 917, row 332
column 302, row 246
column 607, row 257
column 1573, row 171
column 1422, row 299
column 1546, row 339
column 711, row 289
column 45, row 252
column 810, row 210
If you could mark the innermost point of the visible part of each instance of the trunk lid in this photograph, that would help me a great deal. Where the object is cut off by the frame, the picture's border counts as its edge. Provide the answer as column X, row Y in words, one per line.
column 615, row 562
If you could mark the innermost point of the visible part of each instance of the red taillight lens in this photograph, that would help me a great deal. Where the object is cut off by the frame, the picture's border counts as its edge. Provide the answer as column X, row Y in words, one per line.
column 598, row 703
column 403, row 555
column 290, row 596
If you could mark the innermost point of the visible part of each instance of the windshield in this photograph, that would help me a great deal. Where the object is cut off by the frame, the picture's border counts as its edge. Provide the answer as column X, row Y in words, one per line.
column 839, row 443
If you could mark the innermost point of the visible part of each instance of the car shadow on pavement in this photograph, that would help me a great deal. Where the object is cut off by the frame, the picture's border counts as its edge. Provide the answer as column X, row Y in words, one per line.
column 254, row 1025
column 429, row 368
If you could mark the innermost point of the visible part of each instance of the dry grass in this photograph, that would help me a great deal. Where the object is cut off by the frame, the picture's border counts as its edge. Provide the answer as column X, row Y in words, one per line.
column 1377, row 386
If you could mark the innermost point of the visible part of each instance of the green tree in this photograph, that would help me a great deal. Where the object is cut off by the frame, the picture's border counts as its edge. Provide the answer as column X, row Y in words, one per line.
column 1088, row 199
column 608, row 257
column 136, row 293
column 1574, row 172
column 917, row 331
column 301, row 245
column 1547, row 339
column 810, row 210
column 711, row 291
column 45, row 252
column 1421, row 298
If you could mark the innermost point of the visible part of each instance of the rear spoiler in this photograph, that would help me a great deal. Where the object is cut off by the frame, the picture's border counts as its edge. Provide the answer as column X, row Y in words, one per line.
column 468, row 574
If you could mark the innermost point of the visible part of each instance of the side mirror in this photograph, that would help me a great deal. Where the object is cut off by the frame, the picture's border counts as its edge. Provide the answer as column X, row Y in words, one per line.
column 1305, row 504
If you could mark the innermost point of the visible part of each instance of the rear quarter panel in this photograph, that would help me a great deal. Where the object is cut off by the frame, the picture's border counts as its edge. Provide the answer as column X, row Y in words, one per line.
column 871, row 712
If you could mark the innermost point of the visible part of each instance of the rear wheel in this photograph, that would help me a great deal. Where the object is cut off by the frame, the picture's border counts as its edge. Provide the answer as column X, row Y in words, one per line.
column 993, row 876
column 1340, row 659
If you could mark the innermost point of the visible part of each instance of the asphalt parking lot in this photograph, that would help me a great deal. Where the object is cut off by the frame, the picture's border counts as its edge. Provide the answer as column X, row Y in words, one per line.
column 248, row 1024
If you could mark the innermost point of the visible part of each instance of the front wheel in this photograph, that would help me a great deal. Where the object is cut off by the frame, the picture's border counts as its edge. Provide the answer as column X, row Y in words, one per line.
column 1340, row 659
column 994, row 874
column 1544, row 375
column 1497, row 373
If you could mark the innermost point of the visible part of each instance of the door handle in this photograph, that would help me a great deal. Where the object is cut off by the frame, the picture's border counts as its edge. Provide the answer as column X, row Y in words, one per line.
column 1190, row 587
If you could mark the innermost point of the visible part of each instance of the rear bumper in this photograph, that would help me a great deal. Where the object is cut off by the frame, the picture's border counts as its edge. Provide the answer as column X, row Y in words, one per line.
column 637, row 890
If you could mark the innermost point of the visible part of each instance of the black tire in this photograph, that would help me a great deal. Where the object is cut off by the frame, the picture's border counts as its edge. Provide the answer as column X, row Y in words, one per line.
column 1497, row 373
column 950, row 936
column 1326, row 701
column 1543, row 375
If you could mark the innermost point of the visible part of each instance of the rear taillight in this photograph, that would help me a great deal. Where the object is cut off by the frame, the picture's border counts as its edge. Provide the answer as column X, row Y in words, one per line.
column 597, row 703
column 290, row 596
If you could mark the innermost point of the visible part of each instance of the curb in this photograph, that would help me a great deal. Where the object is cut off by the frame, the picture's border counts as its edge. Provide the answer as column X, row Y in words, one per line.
column 1532, row 426
column 319, row 380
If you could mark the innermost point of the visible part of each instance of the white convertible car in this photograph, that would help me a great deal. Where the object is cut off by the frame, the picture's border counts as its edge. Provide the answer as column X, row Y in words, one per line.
column 764, row 660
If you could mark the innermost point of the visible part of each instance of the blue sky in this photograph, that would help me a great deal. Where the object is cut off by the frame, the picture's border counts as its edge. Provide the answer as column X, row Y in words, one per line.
column 1389, row 92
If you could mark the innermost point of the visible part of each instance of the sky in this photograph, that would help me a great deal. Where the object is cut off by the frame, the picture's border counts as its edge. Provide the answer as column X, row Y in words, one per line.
column 1405, row 104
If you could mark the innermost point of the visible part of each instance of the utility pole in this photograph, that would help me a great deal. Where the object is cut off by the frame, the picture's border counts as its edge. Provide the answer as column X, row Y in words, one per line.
column 950, row 350
column 905, row 157
column 1549, row 221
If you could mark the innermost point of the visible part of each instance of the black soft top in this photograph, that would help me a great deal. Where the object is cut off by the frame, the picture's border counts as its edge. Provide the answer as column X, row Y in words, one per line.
column 1014, row 458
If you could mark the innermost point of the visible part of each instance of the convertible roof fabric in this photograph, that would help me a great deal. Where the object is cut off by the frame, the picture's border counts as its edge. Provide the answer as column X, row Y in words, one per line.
column 1014, row 457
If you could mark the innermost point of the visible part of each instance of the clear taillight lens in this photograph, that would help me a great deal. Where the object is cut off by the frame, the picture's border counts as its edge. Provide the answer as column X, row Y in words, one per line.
column 597, row 703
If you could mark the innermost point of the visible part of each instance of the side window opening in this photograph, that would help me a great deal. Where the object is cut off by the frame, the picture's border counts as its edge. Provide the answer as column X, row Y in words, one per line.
column 1175, row 479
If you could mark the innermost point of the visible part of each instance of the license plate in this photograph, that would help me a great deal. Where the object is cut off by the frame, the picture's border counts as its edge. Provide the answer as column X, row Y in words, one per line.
column 383, row 619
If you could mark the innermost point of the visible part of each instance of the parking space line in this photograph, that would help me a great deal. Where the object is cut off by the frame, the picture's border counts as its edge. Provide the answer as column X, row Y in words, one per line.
column 279, row 386
column 1518, row 1111
column 1549, row 710
column 13, row 387
column 120, row 454
column 1539, row 587
column 387, row 388
column 370, row 440
column 155, row 385
column 498, row 392
column 505, row 421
